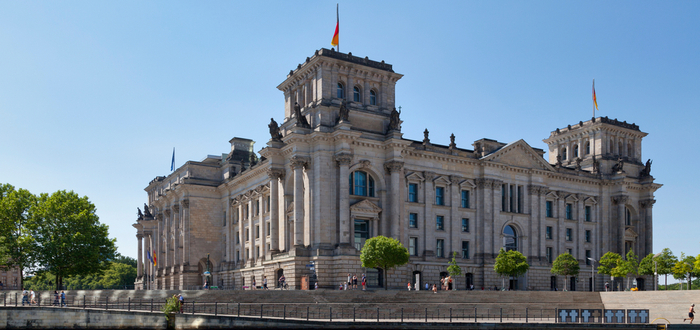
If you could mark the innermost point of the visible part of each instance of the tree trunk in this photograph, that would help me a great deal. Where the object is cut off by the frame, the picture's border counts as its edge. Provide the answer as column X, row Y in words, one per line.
column 57, row 281
column 386, row 285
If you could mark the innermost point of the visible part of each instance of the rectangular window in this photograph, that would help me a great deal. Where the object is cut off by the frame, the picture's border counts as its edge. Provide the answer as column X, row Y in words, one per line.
column 238, row 238
column 465, row 199
column 413, row 220
column 465, row 249
column 267, row 224
column 571, row 251
column 247, row 234
column 588, row 213
column 413, row 246
column 549, row 255
column 548, row 233
column 268, row 204
column 224, row 218
column 520, row 199
column 238, row 256
column 465, row 225
column 588, row 256
column 439, row 196
column 440, row 222
column 439, row 248
column 569, row 211
column 504, row 198
column 413, row 192
column 361, row 233
column 588, row 236
column 512, row 198
column 257, row 207
column 568, row 234
column 257, row 231
column 550, row 211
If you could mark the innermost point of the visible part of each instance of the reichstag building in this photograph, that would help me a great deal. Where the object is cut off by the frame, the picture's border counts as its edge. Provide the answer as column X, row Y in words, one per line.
column 337, row 171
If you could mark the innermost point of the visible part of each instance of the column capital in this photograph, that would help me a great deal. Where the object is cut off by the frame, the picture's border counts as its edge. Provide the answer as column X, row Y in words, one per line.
column 343, row 159
column 298, row 162
column 139, row 236
column 456, row 179
column 393, row 166
column 620, row 200
column 167, row 213
column 648, row 203
column 536, row 190
column 429, row 176
column 176, row 208
column 185, row 203
column 275, row 173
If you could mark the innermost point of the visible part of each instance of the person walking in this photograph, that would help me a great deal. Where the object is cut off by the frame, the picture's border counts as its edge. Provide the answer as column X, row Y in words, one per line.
column 63, row 299
column 265, row 282
column 254, row 288
column 691, row 314
column 55, row 298
column 354, row 281
column 282, row 281
column 25, row 296
column 181, row 301
column 364, row 282
column 32, row 297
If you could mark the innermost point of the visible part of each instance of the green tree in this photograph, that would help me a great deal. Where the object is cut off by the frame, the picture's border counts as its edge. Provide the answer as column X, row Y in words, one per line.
column 453, row 269
column 627, row 268
column 510, row 263
column 16, row 244
column 665, row 263
column 646, row 266
column 385, row 253
column 566, row 265
column 608, row 263
column 681, row 269
column 690, row 261
column 69, row 238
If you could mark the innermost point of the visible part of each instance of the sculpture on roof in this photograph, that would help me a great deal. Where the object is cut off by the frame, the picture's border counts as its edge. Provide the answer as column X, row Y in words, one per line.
column 426, row 140
column 558, row 164
column 140, row 215
column 395, row 121
column 147, row 211
column 646, row 171
column 301, row 120
column 274, row 130
column 452, row 141
column 618, row 167
column 344, row 113
column 578, row 163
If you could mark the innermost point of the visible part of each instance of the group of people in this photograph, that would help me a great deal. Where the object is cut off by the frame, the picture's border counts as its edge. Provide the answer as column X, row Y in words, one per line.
column 352, row 283
column 29, row 298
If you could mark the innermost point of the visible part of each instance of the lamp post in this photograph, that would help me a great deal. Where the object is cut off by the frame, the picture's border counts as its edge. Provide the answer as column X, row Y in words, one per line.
column 593, row 276
column 656, row 275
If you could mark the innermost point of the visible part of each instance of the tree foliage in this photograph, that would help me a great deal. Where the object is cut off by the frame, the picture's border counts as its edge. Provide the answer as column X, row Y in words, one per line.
column 627, row 268
column 646, row 266
column 665, row 263
column 385, row 253
column 566, row 265
column 608, row 262
column 453, row 269
column 510, row 263
column 681, row 269
column 118, row 275
column 16, row 244
column 69, row 240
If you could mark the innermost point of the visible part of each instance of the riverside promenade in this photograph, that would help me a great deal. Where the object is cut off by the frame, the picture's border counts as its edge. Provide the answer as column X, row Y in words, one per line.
column 345, row 309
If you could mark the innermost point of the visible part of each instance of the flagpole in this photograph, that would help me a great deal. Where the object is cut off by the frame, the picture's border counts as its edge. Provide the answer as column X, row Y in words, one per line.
column 337, row 22
column 593, row 121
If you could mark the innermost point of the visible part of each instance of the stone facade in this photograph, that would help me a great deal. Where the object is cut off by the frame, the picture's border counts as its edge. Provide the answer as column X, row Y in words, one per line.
column 337, row 171
column 10, row 279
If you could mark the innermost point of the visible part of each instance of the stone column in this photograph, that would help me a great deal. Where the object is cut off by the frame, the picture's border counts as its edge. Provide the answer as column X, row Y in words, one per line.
column 620, row 201
column 395, row 222
column 241, row 233
column 429, row 240
column 349, row 89
column 297, row 165
column 262, row 225
column 139, row 265
column 343, row 161
column 581, row 218
column 176, row 234
column 251, row 231
column 185, row 231
column 455, row 228
column 536, row 222
column 647, row 226
column 275, row 175
column 166, row 238
column 149, row 266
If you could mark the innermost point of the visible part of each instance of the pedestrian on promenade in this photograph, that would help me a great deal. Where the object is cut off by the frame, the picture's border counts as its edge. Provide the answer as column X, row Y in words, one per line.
column 409, row 286
column 691, row 314
column 63, row 299
column 434, row 288
column 55, row 298
column 32, row 297
column 427, row 286
column 254, row 288
column 265, row 282
column 349, row 285
column 25, row 296
column 181, row 301
column 1, row 286
column 607, row 286
column 354, row 281
column 364, row 282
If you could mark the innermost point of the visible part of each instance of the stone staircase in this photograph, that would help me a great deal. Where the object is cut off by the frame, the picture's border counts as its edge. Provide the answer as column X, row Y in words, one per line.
column 670, row 305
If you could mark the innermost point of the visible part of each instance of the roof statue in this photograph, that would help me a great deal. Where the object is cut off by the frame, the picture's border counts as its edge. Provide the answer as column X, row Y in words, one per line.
column 274, row 130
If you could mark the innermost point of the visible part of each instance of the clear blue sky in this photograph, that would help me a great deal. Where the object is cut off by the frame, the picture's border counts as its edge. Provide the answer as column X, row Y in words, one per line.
column 94, row 95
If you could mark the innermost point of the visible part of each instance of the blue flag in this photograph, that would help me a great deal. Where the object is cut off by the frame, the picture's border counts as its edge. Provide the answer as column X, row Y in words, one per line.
column 149, row 256
column 172, row 162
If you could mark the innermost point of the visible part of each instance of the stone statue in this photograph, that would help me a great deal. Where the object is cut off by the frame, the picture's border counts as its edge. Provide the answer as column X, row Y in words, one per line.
column 140, row 215
column 558, row 161
column 618, row 167
column 147, row 211
column 394, row 120
column 301, row 120
column 425, row 136
column 452, row 141
column 646, row 171
column 596, row 165
column 274, row 130
column 344, row 113
column 578, row 163
column 253, row 160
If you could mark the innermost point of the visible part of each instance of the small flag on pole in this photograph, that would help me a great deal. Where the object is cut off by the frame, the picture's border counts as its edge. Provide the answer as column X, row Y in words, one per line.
column 148, row 253
column 155, row 262
column 595, row 101
column 335, row 42
column 172, row 162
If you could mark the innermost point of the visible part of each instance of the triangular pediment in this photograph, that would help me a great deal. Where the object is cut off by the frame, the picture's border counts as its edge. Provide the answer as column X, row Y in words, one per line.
column 365, row 206
column 591, row 200
column 519, row 154
column 630, row 234
column 442, row 180
column 415, row 176
column 469, row 183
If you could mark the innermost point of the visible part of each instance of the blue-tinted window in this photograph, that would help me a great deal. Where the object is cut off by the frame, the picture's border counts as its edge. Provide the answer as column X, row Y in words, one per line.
column 413, row 220
column 465, row 249
column 550, row 212
column 356, row 96
column 439, row 195
column 569, row 234
column 465, row 199
column 569, row 211
column 440, row 222
column 341, row 91
column 372, row 97
column 465, row 225
column 588, row 213
column 361, row 184
column 548, row 233
column 413, row 192
column 440, row 248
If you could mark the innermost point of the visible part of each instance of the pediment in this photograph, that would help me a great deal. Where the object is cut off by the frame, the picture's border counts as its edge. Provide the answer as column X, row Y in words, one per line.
column 441, row 179
column 469, row 183
column 365, row 206
column 519, row 154
column 572, row 198
column 552, row 194
column 630, row 234
column 590, row 200
column 415, row 176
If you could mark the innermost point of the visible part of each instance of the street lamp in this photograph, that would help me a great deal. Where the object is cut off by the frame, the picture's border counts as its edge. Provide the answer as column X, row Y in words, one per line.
column 656, row 275
column 593, row 276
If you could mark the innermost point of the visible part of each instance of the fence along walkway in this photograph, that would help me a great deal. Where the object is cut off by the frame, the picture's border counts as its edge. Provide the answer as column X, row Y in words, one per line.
column 338, row 312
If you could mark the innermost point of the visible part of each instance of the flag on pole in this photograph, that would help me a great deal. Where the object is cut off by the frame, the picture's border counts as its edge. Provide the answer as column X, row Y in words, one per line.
column 155, row 262
column 335, row 42
column 148, row 253
column 172, row 162
column 595, row 101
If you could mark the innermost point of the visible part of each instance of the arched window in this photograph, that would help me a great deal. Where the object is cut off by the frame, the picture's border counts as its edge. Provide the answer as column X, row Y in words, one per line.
column 372, row 97
column 588, row 148
column 563, row 154
column 628, row 217
column 341, row 91
column 576, row 150
column 510, row 238
column 356, row 95
column 361, row 184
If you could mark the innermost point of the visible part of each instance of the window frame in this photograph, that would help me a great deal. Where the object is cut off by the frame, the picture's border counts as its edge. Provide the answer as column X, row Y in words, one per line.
column 569, row 235
column 439, row 222
column 372, row 97
column 549, row 254
column 412, row 195
column 465, row 252
column 588, row 213
column 413, row 244
column 569, row 211
column 465, row 225
column 356, row 94
column 340, row 90
column 587, row 236
column 440, row 248
column 440, row 197
column 549, row 230
column 412, row 223
column 465, row 198
column 367, row 190
column 549, row 209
